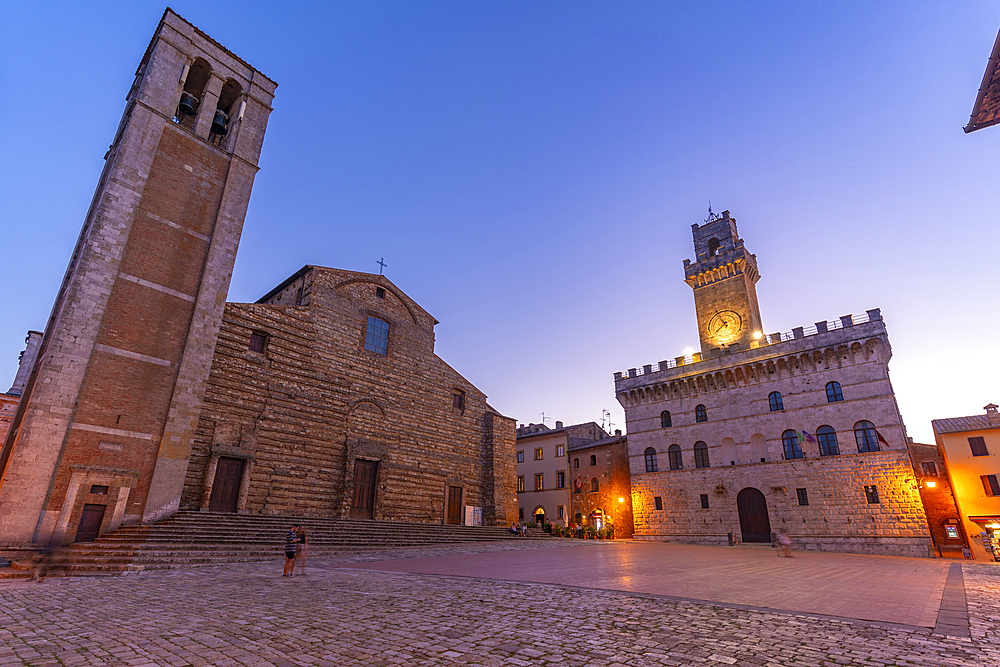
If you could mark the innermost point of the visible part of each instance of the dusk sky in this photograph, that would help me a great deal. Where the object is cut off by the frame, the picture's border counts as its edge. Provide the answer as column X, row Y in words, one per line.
column 530, row 172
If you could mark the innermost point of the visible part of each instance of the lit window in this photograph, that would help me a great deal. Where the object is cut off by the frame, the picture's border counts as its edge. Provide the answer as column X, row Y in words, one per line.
column 871, row 495
column 665, row 419
column 790, row 440
column 538, row 454
column 700, row 413
column 520, row 483
column 258, row 342
column 377, row 337
column 560, row 451
column 538, row 482
column 827, row 441
column 594, row 485
column 803, row 496
column 991, row 485
column 866, row 436
column 701, row 455
column 833, row 392
column 774, row 401
column 650, row 459
column 674, row 457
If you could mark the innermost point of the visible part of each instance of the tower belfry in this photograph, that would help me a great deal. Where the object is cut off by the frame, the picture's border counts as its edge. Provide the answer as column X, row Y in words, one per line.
column 103, row 431
column 723, row 277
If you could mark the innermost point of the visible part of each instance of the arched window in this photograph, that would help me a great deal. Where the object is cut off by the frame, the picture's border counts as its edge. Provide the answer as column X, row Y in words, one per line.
column 774, row 401
column 713, row 247
column 790, row 439
column 700, row 455
column 674, row 457
column 700, row 413
column 576, row 463
column 833, row 392
column 594, row 485
column 593, row 459
column 827, row 441
column 224, row 110
column 665, row 419
column 651, row 460
column 866, row 436
column 194, row 87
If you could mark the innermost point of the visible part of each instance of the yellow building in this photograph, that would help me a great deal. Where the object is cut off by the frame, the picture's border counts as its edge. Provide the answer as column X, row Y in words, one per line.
column 971, row 450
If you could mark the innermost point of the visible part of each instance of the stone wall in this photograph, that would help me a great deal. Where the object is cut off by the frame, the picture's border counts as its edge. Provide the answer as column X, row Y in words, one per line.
column 303, row 412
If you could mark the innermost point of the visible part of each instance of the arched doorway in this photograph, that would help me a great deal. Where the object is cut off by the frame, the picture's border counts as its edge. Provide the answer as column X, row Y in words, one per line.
column 754, row 523
column 539, row 515
column 597, row 519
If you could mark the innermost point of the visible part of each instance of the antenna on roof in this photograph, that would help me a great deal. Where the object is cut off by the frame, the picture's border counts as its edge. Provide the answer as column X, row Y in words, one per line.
column 544, row 418
column 606, row 422
column 712, row 216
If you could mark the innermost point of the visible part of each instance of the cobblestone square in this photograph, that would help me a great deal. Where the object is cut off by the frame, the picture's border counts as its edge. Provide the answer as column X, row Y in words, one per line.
column 344, row 612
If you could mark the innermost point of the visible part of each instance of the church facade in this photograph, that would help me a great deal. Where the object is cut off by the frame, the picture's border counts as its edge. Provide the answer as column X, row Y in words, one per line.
column 759, row 433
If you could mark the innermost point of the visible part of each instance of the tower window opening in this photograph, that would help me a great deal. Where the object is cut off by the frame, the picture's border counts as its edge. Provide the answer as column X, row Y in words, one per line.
column 228, row 99
column 194, row 89
column 713, row 247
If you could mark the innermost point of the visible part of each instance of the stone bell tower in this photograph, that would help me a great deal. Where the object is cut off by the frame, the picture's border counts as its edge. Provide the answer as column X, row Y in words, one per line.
column 103, row 432
column 723, row 277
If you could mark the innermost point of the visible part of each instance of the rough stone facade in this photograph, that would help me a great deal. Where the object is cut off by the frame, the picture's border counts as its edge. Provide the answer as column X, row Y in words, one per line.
column 938, row 500
column 109, row 412
column 312, row 401
column 716, row 409
column 606, row 461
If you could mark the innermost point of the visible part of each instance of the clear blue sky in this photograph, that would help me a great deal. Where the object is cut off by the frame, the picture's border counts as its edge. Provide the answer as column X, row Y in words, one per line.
column 530, row 172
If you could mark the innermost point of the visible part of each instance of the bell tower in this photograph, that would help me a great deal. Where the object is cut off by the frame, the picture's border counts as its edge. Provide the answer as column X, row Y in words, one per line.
column 103, row 431
column 723, row 277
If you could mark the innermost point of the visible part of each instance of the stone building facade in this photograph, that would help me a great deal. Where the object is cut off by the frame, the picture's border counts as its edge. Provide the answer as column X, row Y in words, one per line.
column 970, row 447
column 543, row 469
column 325, row 398
column 108, row 417
column 601, row 485
column 10, row 400
column 938, row 498
column 795, row 431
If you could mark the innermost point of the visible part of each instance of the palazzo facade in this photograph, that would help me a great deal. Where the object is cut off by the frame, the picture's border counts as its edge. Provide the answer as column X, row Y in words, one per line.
column 757, row 432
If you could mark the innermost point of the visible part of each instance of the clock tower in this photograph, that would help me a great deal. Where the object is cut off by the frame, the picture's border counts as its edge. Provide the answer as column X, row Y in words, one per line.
column 723, row 276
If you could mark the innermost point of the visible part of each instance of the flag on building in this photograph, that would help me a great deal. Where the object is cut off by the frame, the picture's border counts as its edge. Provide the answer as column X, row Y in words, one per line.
column 881, row 439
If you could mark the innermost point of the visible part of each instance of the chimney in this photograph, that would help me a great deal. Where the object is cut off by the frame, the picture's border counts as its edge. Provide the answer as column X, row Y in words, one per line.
column 559, row 424
column 991, row 413
column 618, row 432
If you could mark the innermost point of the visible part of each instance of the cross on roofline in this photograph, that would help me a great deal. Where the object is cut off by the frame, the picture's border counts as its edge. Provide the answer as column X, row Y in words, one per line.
column 381, row 265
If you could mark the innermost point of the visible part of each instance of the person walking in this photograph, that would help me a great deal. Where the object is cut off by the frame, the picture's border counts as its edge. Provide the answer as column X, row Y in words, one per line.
column 300, row 550
column 291, row 539
column 786, row 543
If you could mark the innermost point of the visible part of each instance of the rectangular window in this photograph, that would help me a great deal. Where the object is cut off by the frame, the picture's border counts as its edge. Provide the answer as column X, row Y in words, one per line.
column 520, row 483
column 377, row 336
column 562, row 512
column 978, row 445
column 929, row 468
column 258, row 342
column 560, row 480
column 803, row 496
column 538, row 482
column 538, row 454
column 991, row 485
column 520, row 514
column 99, row 489
column 560, row 451
column 704, row 501
column 458, row 401
column 658, row 502
column 520, row 457
column 871, row 495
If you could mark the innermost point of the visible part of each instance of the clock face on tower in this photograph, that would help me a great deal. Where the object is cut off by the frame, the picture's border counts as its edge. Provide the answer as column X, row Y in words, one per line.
column 725, row 327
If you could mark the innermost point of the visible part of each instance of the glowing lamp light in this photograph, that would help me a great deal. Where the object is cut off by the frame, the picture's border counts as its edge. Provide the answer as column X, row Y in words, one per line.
column 688, row 351
column 621, row 500
column 757, row 335
column 930, row 484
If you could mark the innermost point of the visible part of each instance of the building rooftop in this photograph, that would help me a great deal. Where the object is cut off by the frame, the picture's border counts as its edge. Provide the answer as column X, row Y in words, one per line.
column 986, row 110
column 575, row 446
column 972, row 423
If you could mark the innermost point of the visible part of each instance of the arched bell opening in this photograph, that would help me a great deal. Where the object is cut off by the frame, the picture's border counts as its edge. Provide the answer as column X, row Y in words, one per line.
column 229, row 101
column 191, row 95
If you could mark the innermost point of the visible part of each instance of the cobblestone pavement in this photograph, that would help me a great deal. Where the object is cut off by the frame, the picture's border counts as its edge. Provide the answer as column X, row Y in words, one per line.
column 247, row 614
